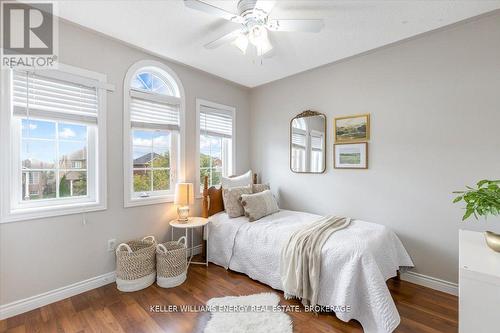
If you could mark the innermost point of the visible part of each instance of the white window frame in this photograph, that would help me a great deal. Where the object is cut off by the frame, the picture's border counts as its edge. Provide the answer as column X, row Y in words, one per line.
column 321, row 137
column 231, row 110
column 129, row 199
column 96, row 199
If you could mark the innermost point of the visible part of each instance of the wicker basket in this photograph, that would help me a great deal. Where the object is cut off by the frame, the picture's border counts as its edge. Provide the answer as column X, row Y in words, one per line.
column 135, row 264
column 171, row 262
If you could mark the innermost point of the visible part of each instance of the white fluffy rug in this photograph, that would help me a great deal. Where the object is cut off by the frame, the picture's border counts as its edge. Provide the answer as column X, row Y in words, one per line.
column 237, row 320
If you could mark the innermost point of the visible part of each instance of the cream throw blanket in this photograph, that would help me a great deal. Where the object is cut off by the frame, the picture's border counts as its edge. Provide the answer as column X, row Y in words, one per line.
column 301, row 258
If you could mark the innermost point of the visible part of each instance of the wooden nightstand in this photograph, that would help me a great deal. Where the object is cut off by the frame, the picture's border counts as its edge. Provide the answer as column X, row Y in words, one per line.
column 194, row 222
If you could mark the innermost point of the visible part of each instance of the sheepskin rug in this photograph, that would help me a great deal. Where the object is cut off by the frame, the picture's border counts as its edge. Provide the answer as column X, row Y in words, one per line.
column 247, row 321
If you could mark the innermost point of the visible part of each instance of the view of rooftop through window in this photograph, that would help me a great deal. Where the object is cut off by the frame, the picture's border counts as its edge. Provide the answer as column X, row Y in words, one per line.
column 54, row 159
column 151, row 160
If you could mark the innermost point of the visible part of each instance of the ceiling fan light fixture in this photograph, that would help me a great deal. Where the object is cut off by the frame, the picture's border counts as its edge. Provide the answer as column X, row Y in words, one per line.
column 254, row 21
column 241, row 42
column 259, row 38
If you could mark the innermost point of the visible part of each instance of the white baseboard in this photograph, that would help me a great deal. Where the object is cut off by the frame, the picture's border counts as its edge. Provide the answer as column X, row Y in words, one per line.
column 34, row 302
column 431, row 282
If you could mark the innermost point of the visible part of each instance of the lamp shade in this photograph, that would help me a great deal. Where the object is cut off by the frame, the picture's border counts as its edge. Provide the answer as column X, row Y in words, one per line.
column 184, row 194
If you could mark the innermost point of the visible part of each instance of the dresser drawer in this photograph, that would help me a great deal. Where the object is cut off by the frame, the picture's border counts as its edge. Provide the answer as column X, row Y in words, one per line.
column 479, row 302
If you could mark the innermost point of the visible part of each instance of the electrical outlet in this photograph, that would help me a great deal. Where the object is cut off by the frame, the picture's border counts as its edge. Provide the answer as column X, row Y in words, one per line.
column 111, row 245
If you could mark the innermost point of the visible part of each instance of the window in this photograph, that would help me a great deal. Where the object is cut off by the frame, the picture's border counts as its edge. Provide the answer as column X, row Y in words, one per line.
column 56, row 142
column 53, row 159
column 216, row 141
column 151, row 161
column 152, row 133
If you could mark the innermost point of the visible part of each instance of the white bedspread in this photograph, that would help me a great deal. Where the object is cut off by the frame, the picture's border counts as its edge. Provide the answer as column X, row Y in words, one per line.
column 356, row 262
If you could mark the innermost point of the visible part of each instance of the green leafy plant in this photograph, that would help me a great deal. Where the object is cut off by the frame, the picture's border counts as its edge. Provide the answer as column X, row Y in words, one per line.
column 483, row 200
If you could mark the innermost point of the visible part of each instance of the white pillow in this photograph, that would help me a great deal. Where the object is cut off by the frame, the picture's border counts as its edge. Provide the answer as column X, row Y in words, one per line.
column 239, row 181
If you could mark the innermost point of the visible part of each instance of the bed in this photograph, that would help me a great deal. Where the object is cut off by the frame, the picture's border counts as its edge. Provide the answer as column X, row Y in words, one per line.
column 356, row 261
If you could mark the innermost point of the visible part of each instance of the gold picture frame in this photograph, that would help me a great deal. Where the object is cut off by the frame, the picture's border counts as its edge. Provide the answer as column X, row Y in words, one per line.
column 352, row 129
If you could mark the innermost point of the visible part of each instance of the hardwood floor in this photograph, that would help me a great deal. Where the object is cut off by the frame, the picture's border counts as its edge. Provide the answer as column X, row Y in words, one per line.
column 107, row 310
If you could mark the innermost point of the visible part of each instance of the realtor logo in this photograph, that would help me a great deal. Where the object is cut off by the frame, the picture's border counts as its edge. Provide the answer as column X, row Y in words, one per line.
column 28, row 34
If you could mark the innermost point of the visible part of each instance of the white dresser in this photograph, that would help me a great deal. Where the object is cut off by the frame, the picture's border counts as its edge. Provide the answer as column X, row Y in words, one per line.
column 479, row 283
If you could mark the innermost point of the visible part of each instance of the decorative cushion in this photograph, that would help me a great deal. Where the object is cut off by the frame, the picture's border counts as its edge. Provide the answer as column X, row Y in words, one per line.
column 243, row 180
column 231, row 197
column 258, row 205
column 256, row 188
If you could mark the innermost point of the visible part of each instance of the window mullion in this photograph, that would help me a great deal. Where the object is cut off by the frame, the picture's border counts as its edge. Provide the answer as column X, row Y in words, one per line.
column 151, row 188
column 151, row 161
column 223, row 155
column 57, row 160
column 210, row 161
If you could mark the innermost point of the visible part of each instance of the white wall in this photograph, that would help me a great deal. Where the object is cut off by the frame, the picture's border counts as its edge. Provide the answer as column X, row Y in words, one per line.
column 435, row 109
column 40, row 255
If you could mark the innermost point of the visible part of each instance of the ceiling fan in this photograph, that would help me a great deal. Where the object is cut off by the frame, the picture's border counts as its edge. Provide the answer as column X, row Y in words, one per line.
column 255, row 24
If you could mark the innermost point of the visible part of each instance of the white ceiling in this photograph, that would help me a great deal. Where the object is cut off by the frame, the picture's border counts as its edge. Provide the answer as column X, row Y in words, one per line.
column 169, row 29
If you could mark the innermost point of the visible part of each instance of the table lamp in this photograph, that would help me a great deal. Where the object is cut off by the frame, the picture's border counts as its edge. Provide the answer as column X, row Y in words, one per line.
column 184, row 196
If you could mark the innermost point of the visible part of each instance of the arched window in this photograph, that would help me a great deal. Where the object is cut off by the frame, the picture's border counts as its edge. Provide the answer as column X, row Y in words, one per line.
column 150, row 80
column 153, row 132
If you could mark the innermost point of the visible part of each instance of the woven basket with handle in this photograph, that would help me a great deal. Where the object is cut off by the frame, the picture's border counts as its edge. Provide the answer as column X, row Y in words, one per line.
column 171, row 258
column 136, row 259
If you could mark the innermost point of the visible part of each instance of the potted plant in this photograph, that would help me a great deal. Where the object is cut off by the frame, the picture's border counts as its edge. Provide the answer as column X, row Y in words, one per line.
column 483, row 200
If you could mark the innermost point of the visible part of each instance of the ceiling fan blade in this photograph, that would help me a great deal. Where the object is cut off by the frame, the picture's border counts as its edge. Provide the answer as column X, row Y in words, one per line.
column 296, row 25
column 209, row 9
column 265, row 5
column 223, row 40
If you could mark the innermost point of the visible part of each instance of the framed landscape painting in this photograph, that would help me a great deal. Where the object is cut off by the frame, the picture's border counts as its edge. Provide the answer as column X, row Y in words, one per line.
column 352, row 128
column 350, row 155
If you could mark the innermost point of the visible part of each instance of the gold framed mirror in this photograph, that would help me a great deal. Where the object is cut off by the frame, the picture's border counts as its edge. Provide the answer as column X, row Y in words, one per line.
column 308, row 142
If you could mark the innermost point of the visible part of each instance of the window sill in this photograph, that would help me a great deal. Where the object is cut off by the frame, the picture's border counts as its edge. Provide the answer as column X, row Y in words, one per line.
column 135, row 202
column 44, row 212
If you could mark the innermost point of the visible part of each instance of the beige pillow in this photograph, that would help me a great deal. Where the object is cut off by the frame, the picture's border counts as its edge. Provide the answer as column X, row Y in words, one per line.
column 231, row 198
column 258, row 205
column 256, row 188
